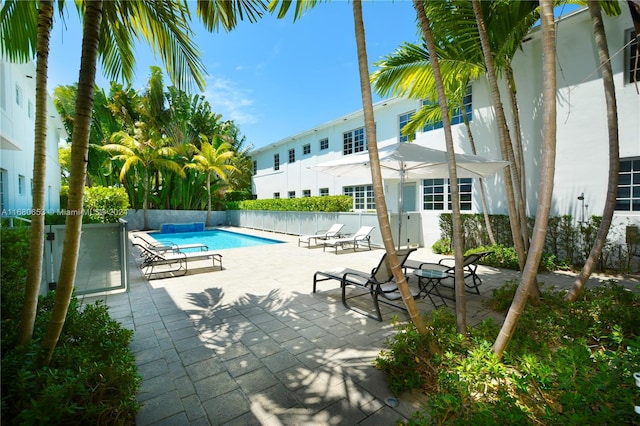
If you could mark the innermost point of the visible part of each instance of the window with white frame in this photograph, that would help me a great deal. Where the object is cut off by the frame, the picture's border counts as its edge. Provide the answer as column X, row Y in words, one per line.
column 324, row 144
column 292, row 155
column 276, row 195
column 363, row 198
column 436, row 191
column 306, row 193
column 3, row 189
column 306, row 149
column 403, row 121
column 353, row 141
column 323, row 192
column 30, row 109
column 632, row 57
column 21, row 185
column 458, row 114
column 292, row 194
column 276, row 161
column 628, row 198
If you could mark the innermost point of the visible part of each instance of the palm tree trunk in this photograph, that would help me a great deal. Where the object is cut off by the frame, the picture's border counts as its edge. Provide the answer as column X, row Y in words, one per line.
column 36, row 242
column 545, row 190
column 505, row 139
column 145, row 198
column 376, row 174
column 614, row 151
column 458, row 241
column 79, row 152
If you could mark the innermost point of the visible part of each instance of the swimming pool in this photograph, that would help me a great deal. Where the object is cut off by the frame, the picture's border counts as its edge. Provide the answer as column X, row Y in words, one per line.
column 215, row 239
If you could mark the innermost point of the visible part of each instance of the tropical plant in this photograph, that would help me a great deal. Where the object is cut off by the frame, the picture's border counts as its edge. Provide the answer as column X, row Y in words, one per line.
column 213, row 162
column 142, row 153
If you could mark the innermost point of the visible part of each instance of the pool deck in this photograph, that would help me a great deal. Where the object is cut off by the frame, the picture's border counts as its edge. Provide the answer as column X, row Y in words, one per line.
column 252, row 345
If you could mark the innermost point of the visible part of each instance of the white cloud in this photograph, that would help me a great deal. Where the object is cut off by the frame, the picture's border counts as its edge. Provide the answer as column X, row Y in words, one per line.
column 230, row 100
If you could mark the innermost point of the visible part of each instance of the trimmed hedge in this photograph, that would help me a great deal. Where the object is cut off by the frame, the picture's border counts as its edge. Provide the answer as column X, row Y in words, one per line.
column 332, row 203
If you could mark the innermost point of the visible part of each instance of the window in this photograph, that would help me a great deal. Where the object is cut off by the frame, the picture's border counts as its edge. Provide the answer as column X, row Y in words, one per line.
column 324, row 192
column 632, row 57
column 306, row 193
column 629, row 185
column 18, row 95
column 3, row 92
column 30, row 109
column 354, row 141
column 3, row 191
column 292, row 155
column 292, row 194
column 363, row 198
column 435, row 190
column 404, row 120
column 276, row 195
column 324, row 144
column 458, row 114
column 255, row 167
column 21, row 184
column 276, row 161
column 306, row 149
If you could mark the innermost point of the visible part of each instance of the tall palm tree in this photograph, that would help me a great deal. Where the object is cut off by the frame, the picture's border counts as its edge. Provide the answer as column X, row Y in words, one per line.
column 213, row 162
column 545, row 192
column 458, row 244
column 614, row 151
column 24, row 41
column 376, row 174
column 142, row 152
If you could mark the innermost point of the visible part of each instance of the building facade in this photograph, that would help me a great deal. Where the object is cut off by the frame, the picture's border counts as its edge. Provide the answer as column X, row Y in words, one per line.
column 282, row 169
column 17, row 127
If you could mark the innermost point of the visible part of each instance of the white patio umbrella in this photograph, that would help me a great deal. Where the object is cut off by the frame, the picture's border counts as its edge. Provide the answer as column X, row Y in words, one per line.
column 410, row 161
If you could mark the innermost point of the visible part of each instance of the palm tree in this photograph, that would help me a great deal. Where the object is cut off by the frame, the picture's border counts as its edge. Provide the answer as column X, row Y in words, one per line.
column 21, row 50
column 458, row 244
column 545, row 191
column 376, row 174
column 213, row 162
column 614, row 149
column 142, row 152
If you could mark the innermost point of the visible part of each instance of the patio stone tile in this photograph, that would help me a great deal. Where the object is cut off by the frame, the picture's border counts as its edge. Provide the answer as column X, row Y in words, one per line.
column 204, row 369
column 284, row 334
column 257, row 380
column 231, row 351
column 280, row 361
column 214, row 386
column 161, row 407
column 242, row 364
column 226, row 407
column 265, row 348
column 273, row 325
column 153, row 369
column 299, row 345
column 193, row 408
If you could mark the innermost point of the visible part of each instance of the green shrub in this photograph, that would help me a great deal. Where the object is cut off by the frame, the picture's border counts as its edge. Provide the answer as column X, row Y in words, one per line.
column 567, row 363
column 92, row 377
column 333, row 203
column 105, row 204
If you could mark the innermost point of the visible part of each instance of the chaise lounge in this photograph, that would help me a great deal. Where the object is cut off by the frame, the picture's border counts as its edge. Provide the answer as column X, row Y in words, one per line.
column 176, row 261
column 155, row 245
column 333, row 232
column 377, row 283
column 360, row 237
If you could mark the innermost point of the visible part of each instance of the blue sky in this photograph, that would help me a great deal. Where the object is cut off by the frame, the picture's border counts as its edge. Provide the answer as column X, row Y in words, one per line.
column 274, row 78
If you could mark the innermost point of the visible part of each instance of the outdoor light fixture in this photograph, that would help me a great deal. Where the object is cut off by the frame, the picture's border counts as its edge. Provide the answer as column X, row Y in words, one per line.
column 584, row 206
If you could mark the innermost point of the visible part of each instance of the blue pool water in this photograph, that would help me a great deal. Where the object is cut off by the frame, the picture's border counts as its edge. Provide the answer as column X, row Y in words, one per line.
column 214, row 239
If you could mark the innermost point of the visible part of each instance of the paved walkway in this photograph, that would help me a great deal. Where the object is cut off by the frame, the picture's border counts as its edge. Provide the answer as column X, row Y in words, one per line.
column 252, row 345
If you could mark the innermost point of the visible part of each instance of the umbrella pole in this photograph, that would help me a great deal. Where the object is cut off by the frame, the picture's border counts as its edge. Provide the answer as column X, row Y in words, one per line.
column 400, row 204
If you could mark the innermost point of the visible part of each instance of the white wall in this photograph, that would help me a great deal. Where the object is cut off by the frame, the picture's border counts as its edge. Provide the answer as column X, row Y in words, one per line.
column 17, row 136
column 582, row 137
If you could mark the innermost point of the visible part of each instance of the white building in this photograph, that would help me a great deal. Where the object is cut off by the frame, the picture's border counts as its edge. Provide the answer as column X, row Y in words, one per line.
column 282, row 168
column 17, row 110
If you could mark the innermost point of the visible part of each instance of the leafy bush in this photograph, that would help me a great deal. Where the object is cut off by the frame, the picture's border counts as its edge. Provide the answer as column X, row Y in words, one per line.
column 92, row 377
column 567, row 363
column 332, row 203
column 101, row 204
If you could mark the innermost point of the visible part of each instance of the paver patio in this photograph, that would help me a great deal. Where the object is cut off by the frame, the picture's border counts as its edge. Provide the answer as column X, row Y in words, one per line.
column 251, row 344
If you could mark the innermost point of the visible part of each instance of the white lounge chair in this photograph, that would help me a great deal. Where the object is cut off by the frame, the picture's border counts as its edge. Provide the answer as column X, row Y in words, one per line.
column 176, row 260
column 363, row 235
column 333, row 232
column 155, row 245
